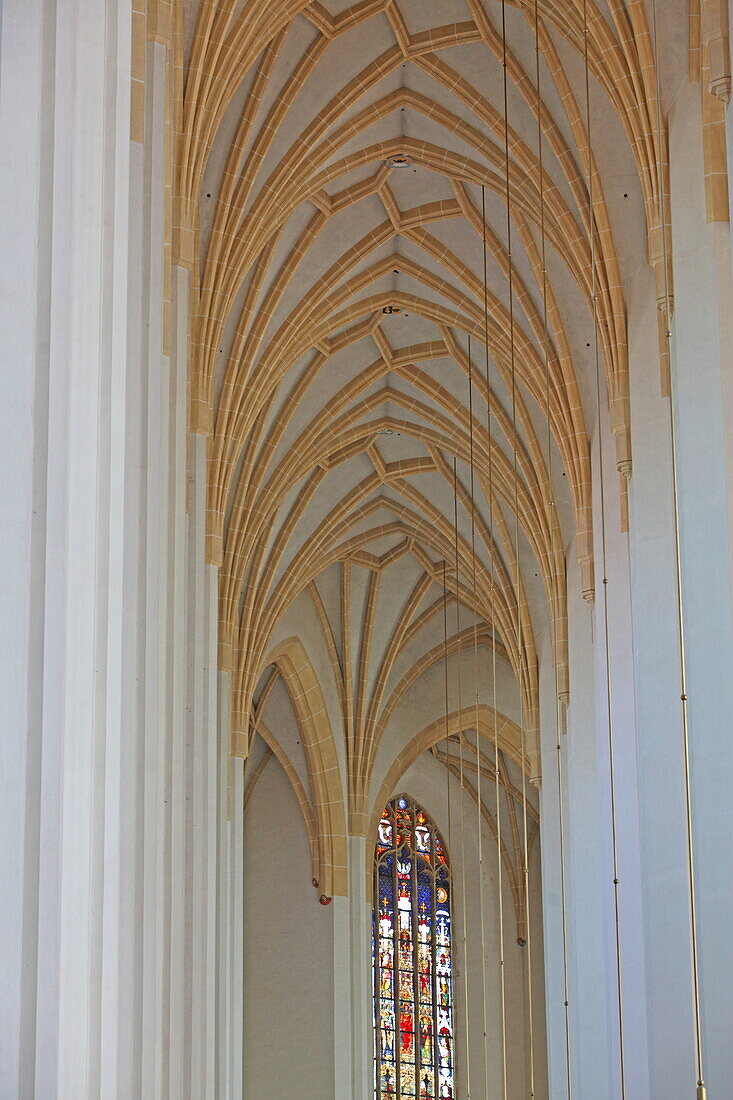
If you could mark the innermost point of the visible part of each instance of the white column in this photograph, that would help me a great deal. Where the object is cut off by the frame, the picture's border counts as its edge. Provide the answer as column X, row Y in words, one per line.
column 24, row 126
column 87, row 408
column 110, row 878
column 213, row 797
column 551, row 881
column 76, row 493
column 147, row 282
column 353, row 985
column 591, row 1025
column 362, row 983
column 235, row 1018
column 202, row 784
column 196, row 742
column 703, row 396
column 177, row 1009
column 222, row 884
column 623, row 729
column 25, row 123
column 224, row 973
column 342, row 1022
column 590, row 904
column 656, row 691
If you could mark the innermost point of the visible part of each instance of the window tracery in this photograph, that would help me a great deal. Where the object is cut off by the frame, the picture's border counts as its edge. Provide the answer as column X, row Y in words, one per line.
column 411, row 953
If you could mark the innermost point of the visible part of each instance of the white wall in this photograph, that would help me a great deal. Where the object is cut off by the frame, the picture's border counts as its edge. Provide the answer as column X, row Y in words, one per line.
column 289, row 953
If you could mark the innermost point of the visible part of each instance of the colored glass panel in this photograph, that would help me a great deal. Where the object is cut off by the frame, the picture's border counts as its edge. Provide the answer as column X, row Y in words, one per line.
column 411, row 952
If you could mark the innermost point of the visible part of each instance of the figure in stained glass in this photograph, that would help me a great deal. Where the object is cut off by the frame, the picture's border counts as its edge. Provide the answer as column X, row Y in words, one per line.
column 444, row 992
column 406, row 1027
column 411, row 951
column 426, row 1031
column 424, row 978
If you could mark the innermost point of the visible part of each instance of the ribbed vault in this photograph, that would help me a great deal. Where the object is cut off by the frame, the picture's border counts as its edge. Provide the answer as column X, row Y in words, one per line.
column 342, row 188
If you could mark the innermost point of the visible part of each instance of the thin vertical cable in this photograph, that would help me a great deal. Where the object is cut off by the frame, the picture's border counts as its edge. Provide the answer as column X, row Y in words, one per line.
column 445, row 666
column 551, row 524
column 479, row 802
column 445, row 662
column 492, row 614
column 447, row 751
column 661, row 141
column 464, row 899
column 375, row 982
column 604, row 559
column 518, row 575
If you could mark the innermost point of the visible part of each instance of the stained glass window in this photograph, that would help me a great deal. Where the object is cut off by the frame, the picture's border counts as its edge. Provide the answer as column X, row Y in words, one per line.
column 411, row 952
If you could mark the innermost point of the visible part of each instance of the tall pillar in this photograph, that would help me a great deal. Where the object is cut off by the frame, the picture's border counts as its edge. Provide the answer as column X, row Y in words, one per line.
column 590, row 1004
column 235, row 1018
column 702, row 373
column 25, row 122
column 110, row 763
column 616, row 737
column 353, row 991
column 552, row 927
column 71, row 769
column 202, row 782
column 148, row 345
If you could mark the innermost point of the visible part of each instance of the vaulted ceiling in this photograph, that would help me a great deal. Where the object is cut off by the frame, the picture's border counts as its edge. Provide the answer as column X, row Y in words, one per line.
column 387, row 207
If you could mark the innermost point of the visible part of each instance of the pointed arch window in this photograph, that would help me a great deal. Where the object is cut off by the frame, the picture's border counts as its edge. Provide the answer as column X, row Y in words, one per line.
column 412, row 962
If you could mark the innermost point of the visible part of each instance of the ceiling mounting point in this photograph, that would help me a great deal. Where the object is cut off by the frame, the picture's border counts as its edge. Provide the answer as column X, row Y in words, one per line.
column 399, row 160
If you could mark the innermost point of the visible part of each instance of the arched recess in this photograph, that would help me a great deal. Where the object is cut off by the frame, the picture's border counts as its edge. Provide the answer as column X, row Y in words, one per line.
column 317, row 552
column 299, row 677
column 275, row 749
column 491, row 725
